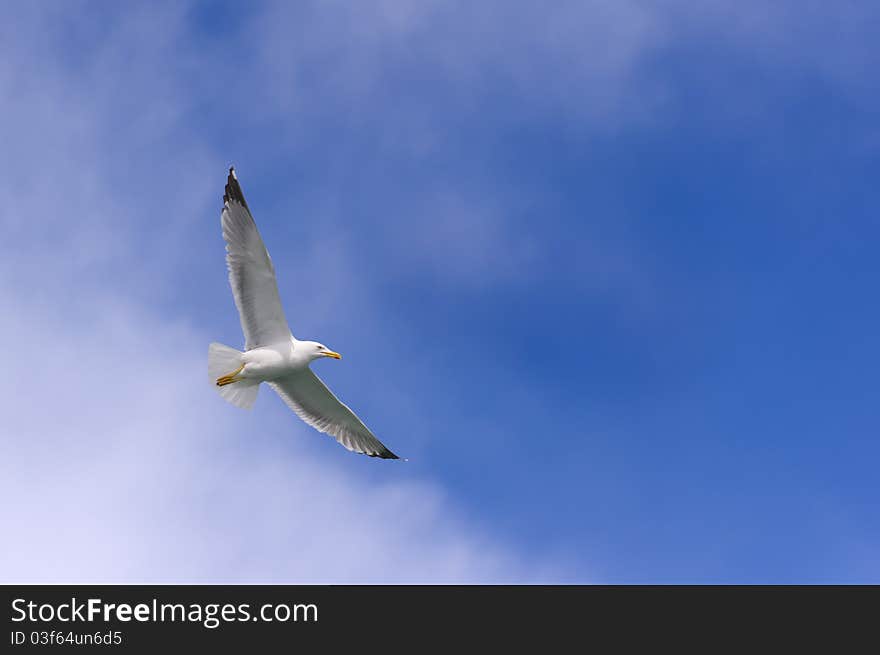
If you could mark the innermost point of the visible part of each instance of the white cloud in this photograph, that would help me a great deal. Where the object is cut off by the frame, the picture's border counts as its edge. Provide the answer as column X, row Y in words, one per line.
column 118, row 463
column 403, row 58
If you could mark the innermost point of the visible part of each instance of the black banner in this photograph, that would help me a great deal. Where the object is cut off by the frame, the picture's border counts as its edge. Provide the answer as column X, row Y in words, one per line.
column 148, row 618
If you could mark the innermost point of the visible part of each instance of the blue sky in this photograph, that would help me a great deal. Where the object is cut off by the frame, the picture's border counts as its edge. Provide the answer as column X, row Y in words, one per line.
column 605, row 273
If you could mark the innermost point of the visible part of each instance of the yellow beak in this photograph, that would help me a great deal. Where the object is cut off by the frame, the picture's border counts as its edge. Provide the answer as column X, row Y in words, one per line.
column 330, row 353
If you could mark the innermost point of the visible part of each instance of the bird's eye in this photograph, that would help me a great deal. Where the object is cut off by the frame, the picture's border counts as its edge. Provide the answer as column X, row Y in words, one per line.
column 320, row 347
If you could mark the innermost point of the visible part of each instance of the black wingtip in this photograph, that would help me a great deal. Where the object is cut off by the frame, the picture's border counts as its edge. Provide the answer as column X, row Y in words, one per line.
column 232, row 192
column 385, row 454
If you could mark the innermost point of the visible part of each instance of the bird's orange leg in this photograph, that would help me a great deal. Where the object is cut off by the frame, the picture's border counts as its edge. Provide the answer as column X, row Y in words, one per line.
column 222, row 381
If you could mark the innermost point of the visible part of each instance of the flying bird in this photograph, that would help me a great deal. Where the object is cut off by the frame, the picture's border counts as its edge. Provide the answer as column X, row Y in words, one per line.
column 272, row 354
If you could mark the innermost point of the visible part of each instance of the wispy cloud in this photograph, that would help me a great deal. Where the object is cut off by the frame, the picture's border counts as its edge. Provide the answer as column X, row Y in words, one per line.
column 576, row 57
column 118, row 461
column 123, row 466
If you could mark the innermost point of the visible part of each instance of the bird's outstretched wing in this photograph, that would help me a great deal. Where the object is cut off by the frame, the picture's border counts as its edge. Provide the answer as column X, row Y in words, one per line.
column 315, row 404
column 251, row 273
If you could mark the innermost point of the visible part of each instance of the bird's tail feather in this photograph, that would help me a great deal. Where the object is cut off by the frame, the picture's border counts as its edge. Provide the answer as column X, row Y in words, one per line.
column 223, row 360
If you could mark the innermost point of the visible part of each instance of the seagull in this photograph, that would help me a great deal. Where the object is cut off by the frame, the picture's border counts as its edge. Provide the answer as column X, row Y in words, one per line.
column 272, row 354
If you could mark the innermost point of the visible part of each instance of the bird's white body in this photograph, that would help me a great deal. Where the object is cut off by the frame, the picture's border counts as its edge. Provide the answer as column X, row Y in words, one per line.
column 272, row 362
column 268, row 363
column 272, row 354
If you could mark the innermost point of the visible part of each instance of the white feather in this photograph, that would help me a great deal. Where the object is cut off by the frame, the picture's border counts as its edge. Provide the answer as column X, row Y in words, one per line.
column 222, row 360
column 251, row 273
column 314, row 403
